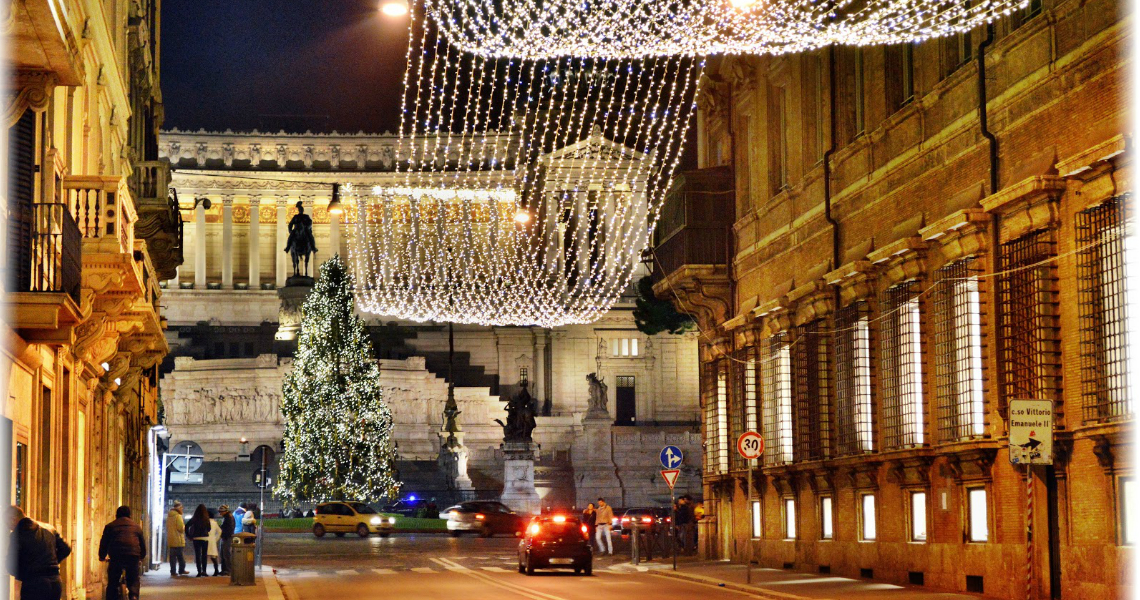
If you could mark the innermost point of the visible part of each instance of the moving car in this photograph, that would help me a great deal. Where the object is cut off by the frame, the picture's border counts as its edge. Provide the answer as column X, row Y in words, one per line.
column 651, row 518
column 556, row 541
column 344, row 517
column 483, row 517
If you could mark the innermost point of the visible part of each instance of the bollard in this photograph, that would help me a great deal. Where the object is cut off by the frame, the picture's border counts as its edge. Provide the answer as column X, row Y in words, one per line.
column 633, row 545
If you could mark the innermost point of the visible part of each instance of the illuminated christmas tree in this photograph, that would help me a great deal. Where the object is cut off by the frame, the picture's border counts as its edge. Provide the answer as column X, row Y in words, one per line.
column 338, row 430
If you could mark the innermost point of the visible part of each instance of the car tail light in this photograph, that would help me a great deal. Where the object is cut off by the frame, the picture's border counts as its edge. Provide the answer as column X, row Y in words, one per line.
column 646, row 519
column 533, row 530
column 625, row 519
column 559, row 518
column 585, row 532
column 480, row 517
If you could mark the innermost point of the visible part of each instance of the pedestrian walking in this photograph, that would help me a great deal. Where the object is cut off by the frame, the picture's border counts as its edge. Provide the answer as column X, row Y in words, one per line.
column 590, row 520
column 176, row 540
column 34, row 552
column 249, row 519
column 123, row 546
column 212, row 545
column 239, row 514
column 685, row 520
column 603, row 519
column 226, row 538
column 198, row 530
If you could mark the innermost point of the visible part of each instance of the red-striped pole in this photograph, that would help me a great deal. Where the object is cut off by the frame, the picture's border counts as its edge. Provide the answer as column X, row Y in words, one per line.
column 1029, row 532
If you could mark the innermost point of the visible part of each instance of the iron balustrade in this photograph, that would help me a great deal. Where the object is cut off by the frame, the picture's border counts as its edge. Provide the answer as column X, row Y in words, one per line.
column 56, row 252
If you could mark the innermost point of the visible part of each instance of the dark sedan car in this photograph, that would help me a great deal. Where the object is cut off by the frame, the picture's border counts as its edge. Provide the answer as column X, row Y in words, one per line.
column 556, row 541
column 649, row 518
column 483, row 517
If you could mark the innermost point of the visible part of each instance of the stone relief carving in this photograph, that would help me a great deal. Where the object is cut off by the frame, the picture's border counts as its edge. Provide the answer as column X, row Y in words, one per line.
column 206, row 406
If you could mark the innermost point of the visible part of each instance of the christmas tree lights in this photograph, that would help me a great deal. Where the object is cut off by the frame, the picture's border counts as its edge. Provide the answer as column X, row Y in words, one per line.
column 338, row 431
column 530, row 187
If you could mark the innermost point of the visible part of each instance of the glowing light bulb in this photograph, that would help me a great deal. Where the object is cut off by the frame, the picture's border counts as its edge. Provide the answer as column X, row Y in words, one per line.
column 522, row 216
column 394, row 8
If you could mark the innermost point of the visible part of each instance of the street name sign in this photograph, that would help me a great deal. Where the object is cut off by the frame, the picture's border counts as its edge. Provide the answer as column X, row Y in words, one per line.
column 750, row 445
column 671, row 457
column 1031, row 432
column 671, row 476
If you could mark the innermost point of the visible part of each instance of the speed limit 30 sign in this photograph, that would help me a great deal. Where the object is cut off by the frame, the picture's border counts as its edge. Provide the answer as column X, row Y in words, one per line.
column 750, row 445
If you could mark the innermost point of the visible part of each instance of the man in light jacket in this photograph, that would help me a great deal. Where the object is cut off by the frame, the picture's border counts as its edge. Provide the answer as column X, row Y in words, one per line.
column 604, row 519
column 176, row 540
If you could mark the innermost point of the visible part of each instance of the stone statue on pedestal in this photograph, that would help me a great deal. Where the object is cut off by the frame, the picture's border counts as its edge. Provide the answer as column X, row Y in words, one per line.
column 301, row 243
column 598, row 396
column 521, row 410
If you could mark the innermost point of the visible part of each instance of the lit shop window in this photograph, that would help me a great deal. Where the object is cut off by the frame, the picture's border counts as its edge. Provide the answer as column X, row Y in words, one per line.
column 868, row 514
column 757, row 517
column 1129, row 520
column 790, row 518
column 827, row 526
column 976, row 505
column 625, row 347
column 918, row 517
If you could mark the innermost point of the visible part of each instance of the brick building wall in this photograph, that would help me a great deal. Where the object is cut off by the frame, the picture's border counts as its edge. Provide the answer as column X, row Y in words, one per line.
column 912, row 198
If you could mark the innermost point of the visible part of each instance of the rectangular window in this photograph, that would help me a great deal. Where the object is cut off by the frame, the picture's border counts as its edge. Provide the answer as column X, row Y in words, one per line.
column 918, row 517
column 790, row 518
column 737, row 368
column 616, row 344
column 1129, row 525
column 1021, row 16
column 625, row 400
column 812, row 370
column 778, row 139
column 722, row 418
column 757, row 519
column 979, row 527
column 868, row 517
column 1027, row 318
column 958, row 351
column 21, row 482
column 899, row 75
column 709, row 397
column 860, row 94
column 751, row 385
column 826, row 524
column 853, row 380
column 903, row 403
column 777, row 367
column 633, row 351
column 1104, row 320
column 625, row 347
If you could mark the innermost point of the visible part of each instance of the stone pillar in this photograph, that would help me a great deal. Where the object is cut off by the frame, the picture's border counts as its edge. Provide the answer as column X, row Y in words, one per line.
column 228, row 242
column 173, row 285
column 518, row 478
column 200, row 247
column 593, row 459
column 254, row 242
column 282, row 239
column 334, row 236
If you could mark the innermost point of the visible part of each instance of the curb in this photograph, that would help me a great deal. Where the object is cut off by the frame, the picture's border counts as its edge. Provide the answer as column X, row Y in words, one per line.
column 737, row 587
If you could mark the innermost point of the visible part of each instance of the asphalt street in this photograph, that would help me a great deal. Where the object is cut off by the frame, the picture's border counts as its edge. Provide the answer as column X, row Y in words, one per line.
column 439, row 566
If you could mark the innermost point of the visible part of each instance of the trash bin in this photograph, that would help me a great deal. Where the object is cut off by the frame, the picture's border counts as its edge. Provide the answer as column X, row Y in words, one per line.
column 241, row 559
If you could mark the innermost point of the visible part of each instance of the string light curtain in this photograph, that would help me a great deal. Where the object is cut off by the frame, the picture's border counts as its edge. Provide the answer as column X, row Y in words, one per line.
column 639, row 28
column 529, row 188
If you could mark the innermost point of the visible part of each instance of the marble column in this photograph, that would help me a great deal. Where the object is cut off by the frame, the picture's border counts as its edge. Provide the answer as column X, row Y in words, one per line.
column 228, row 242
column 282, row 239
column 334, row 236
column 200, row 247
column 173, row 284
column 254, row 243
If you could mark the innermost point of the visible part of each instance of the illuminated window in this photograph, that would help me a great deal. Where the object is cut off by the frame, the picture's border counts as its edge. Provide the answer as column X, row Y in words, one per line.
column 777, row 369
column 918, row 517
column 624, row 347
column 853, row 380
column 868, row 514
column 958, row 351
column 1129, row 527
column 827, row 528
column 790, row 518
column 976, row 505
column 722, row 418
column 757, row 517
column 903, row 406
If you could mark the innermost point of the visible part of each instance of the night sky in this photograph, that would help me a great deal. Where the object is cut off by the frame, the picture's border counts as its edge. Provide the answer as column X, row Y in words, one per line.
column 281, row 64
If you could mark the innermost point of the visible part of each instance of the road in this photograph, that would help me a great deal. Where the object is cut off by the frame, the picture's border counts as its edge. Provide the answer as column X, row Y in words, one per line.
column 438, row 566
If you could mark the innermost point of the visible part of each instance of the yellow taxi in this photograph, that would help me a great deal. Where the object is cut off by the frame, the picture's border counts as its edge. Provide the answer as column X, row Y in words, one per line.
column 347, row 517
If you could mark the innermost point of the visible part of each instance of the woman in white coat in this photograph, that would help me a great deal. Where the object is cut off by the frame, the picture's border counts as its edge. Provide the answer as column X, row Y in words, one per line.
column 212, row 545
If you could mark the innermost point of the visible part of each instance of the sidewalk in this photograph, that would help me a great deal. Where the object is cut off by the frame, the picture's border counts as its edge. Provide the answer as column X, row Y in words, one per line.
column 777, row 584
column 159, row 584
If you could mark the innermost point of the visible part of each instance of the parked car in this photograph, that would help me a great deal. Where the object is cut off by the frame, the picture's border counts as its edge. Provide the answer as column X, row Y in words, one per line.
column 556, row 541
column 484, row 517
column 413, row 507
column 653, row 518
column 345, row 517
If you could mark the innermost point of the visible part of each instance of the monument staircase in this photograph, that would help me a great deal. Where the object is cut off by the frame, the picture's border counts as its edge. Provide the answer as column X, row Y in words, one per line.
column 395, row 342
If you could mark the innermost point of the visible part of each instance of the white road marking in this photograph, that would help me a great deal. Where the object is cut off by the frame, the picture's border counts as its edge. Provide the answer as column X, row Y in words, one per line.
column 423, row 570
column 495, row 569
column 383, row 571
column 348, row 572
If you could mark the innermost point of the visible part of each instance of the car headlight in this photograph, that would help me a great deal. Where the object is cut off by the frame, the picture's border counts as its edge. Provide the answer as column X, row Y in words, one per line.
column 391, row 520
column 376, row 520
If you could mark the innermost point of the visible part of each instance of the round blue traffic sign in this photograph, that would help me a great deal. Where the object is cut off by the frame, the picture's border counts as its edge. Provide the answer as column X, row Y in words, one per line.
column 671, row 457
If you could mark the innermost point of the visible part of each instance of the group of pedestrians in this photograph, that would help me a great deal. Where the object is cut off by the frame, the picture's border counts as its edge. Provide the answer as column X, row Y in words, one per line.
column 688, row 514
column 599, row 525
column 210, row 538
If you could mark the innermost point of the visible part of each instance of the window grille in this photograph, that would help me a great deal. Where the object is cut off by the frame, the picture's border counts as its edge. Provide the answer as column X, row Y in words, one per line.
column 1027, row 300
column 903, row 402
column 722, row 417
column 708, row 392
column 1104, row 319
column 737, row 371
column 777, row 411
column 811, row 366
column 853, row 402
column 958, row 345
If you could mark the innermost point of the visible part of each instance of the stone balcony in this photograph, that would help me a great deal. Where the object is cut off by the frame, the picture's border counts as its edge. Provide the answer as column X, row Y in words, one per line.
column 159, row 220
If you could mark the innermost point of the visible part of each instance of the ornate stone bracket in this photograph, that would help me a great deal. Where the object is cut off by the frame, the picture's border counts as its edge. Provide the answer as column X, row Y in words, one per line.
column 703, row 291
column 970, row 464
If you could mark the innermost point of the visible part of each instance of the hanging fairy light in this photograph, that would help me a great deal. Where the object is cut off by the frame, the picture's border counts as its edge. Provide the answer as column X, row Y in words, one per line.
column 639, row 28
column 527, row 189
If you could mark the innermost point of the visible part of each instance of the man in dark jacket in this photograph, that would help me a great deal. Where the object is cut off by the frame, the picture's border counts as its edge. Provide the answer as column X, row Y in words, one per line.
column 124, row 544
column 228, row 525
column 34, row 552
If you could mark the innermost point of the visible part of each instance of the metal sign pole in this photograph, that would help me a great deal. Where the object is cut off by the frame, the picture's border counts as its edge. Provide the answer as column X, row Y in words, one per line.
column 751, row 520
column 673, row 521
column 1029, row 531
column 260, row 525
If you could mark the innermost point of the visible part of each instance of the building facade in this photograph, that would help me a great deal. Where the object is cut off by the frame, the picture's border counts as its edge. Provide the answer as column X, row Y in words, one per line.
column 885, row 247
column 230, row 323
column 89, row 234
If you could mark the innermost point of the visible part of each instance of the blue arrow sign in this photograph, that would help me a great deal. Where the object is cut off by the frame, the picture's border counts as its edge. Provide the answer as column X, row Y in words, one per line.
column 671, row 457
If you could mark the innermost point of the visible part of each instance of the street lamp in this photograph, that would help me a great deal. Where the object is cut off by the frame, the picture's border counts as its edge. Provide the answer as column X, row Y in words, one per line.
column 335, row 207
column 394, row 8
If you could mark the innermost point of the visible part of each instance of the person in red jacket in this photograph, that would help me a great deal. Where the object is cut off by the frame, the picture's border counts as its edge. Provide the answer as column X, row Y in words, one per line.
column 123, row 544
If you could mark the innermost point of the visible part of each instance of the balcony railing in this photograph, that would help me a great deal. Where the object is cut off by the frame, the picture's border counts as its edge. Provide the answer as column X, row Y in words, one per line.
column 150, row 180
column 695, row 220
column 103, row 210
column 56, row 251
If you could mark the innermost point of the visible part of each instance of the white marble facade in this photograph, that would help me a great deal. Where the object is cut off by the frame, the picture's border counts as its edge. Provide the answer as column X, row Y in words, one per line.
column 234, row 260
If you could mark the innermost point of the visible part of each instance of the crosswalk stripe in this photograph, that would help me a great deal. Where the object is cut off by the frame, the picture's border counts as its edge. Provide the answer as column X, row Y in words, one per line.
column 495, row 569
column 347, row 572
column 423, row 570
column 383, row 571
